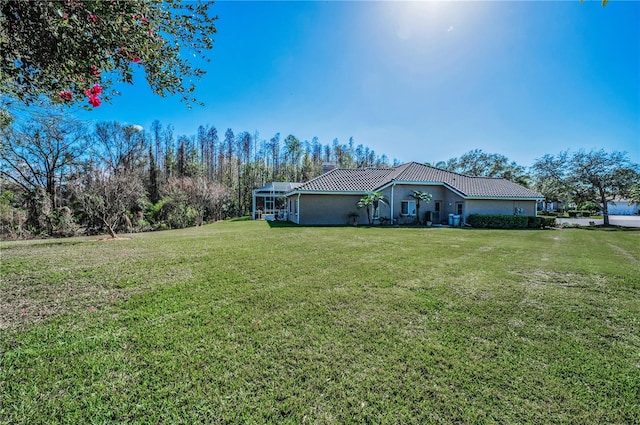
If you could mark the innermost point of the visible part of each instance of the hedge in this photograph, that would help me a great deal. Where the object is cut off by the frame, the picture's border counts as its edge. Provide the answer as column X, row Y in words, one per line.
column 579, row 213
column 509, row 221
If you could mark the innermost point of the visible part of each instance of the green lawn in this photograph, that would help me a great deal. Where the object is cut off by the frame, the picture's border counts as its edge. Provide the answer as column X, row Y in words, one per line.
column 240, row 322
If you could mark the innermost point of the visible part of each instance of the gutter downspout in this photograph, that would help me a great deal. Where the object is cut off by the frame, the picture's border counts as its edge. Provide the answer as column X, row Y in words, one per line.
column 298, row 209
column 392, row 186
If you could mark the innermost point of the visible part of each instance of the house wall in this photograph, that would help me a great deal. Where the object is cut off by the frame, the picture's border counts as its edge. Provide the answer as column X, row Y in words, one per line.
column 335, row 209
column 496, row 206
column 330, row 209
column 403, row 192
column 622, row 207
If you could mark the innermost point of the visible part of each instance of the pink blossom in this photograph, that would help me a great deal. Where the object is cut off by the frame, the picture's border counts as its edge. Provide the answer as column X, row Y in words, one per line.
column 95, row 71
column 91, row 309
column 66, row 95
column 93, row 17
column 94, row 101
column 92, row 94
column 136, row 59
column 93, row 91
column 24, row 313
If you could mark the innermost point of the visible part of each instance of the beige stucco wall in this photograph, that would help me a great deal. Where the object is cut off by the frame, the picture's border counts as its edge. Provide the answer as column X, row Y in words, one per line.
column 330, row 209
column 477, row 206
column 403, row 192
column 335, row 209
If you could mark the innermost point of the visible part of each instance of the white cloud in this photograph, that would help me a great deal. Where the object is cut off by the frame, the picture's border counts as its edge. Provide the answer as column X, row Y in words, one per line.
column 450, row 28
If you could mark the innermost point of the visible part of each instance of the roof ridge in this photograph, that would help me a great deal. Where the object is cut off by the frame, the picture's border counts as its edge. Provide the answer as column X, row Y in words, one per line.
column 484, row 177
column 317, row 177
column 409, row 164
column 399, row 169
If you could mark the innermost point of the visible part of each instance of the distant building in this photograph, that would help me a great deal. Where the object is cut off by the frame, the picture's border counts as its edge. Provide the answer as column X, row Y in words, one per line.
column 622, row 207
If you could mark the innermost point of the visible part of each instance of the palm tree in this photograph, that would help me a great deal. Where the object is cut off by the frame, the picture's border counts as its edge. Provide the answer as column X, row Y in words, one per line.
column 420, row 196
column 376, row 198
column 366, row 201
column 372, row 199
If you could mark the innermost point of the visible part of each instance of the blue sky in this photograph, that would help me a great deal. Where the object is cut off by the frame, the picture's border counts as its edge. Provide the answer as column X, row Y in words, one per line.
column 417, row 81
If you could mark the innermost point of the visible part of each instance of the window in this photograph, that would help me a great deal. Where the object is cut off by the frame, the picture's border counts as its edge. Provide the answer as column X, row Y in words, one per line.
column 459, row 208
column 408, row 208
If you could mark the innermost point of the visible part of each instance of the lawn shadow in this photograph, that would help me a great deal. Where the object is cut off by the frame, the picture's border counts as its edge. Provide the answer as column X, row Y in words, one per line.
column 278, row 224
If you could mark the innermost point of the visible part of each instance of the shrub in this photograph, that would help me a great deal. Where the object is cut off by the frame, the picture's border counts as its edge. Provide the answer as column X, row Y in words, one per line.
column 509, row 221
column 570, row 225
column 548, row 222
column 541, row 222
column 534, row 222
column 590, row 206
column 579, row 213
column 63, row 224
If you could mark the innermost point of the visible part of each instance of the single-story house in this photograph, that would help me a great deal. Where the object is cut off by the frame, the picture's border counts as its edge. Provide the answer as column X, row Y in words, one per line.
column 623, row 207
column 332, row 198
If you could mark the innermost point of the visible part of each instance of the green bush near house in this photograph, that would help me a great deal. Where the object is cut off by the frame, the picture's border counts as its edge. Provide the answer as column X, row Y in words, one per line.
column 541, row 222
column 491, row 221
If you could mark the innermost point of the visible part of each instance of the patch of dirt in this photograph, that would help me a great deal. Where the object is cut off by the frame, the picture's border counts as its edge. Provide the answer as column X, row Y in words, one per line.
column 560, row 279
column 32, row 300
column 109, row 239
column 624, row 253
column 567, row 280
column 24, row 305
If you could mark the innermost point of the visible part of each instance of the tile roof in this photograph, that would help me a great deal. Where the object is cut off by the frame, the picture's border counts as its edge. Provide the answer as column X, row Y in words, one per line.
column 492, row 188
column 370, row 179
column 349, row 180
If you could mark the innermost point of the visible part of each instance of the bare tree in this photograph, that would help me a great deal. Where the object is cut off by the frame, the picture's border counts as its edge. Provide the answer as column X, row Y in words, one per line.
column 120, row 147
column 106, row 196
column 196, row 199
column 37, row 153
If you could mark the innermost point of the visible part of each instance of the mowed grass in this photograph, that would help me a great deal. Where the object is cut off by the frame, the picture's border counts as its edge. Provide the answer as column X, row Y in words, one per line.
column 240, row 322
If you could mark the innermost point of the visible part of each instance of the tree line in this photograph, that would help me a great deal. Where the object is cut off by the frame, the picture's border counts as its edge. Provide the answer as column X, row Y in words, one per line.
column 59, row 177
